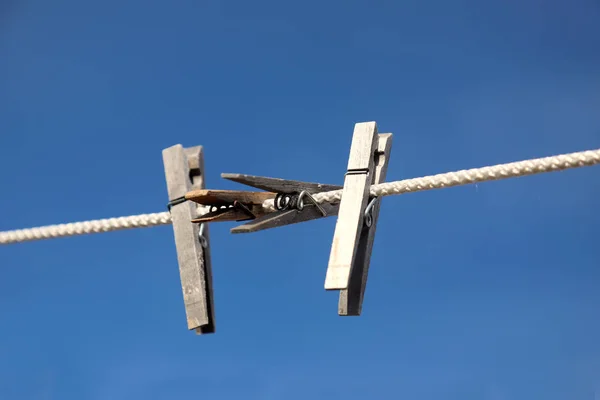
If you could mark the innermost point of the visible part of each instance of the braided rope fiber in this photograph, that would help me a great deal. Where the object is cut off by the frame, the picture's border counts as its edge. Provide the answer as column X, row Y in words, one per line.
column 475, row 175
column 85, row 227
column 458, row 178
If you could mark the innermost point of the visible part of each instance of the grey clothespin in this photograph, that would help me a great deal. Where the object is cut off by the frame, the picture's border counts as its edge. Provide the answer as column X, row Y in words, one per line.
column 357, row 217
column 184, row 171
column 293, row 203
column 358, row 212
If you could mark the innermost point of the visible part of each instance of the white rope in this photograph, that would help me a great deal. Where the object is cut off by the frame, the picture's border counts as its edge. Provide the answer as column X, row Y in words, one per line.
column 475, row 175
column 85, row 227
column 464, row 177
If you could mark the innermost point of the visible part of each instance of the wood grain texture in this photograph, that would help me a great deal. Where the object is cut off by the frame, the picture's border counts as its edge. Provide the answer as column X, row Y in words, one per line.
column 278, row 185
column 355, row 197
column 351, row 299
column 224, row 215
column 364, row 143
column 237, row 212
column 184, row 171
column 281, row 218
column 211, row 197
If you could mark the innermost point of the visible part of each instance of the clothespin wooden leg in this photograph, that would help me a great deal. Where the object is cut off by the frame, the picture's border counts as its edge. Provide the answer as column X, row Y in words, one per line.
column 184, row 171
column 351, row 299
column 355, row 197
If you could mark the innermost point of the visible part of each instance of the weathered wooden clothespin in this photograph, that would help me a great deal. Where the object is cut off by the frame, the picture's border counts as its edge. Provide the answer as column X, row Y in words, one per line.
column 184, row 171
column 357, row 217
column 293, row 203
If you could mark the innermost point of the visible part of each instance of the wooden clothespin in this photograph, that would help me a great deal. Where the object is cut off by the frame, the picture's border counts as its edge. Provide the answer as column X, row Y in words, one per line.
column 184, row 171
column 292, row 200
column 293, row 203
column 357, row 217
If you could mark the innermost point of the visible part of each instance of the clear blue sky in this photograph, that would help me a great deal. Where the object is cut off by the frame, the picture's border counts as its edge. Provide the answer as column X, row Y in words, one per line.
column 488, row 291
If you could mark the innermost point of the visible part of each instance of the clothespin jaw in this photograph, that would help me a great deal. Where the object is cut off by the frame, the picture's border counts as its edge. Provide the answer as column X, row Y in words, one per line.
column 184, row 172
column 292, row 200
column 229, row 205
column 357, row 217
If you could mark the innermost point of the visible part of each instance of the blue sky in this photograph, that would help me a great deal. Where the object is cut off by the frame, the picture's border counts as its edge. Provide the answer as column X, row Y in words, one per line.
column 481, row 292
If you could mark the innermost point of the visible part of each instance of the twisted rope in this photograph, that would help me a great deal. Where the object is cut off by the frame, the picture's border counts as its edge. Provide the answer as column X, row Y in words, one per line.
column 475, row 175
column 85, row 227
column 464, row 177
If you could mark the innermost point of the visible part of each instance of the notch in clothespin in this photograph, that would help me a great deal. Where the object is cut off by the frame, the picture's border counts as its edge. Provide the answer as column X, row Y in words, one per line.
column 184, row 171
column 357, row 217
column 293, row 203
